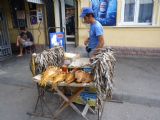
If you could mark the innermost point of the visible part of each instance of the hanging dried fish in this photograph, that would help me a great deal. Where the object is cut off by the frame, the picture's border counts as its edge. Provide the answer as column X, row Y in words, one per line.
column 103, row 70
column 50, row 57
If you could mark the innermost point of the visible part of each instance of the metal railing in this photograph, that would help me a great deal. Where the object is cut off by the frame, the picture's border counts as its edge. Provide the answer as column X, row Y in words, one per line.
column 5, row 46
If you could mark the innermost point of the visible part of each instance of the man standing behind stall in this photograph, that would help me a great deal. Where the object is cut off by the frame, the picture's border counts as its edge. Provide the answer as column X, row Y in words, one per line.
column 96, row 39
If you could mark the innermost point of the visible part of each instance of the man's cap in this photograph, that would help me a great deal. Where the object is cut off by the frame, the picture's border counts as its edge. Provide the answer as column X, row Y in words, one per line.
column 85, row 11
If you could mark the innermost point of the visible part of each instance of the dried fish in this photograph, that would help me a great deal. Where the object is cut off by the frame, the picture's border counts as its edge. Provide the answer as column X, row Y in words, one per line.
column 50, row 57
column 103, row 70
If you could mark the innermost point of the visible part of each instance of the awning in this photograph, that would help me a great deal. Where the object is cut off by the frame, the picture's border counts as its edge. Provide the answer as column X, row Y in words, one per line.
column 36, row 1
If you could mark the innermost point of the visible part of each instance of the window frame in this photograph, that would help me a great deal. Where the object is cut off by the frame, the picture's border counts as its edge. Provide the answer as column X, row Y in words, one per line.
column 136, row 13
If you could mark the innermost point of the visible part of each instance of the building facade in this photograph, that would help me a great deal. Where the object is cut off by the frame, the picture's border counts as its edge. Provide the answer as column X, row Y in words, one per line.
column 133, row 33
column 136, row 30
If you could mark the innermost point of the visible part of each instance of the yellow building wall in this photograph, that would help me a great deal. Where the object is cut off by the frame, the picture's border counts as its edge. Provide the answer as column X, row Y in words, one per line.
column 140, row 36
column 132, row 37
column 38, row 30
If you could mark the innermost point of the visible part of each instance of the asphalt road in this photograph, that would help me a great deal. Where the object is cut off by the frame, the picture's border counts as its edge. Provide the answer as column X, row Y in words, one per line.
column 136, row 86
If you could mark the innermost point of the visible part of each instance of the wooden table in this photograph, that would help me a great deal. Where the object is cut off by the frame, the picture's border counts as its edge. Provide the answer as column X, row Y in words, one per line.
column 68, row 101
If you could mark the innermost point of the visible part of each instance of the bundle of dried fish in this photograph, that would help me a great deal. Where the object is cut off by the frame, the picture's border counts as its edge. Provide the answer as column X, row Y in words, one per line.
column 49, row 74
column 50, row 57
column 103, row 69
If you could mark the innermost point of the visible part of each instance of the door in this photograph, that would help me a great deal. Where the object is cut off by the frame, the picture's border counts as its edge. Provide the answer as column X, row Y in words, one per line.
column 5, row 47
column 71, row 21
column 50, row 18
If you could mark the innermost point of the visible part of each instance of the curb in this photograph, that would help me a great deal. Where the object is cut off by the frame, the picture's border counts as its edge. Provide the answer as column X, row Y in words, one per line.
column 143, row 100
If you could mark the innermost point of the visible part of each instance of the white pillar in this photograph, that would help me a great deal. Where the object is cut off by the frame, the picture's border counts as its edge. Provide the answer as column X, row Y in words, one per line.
column 57, row 15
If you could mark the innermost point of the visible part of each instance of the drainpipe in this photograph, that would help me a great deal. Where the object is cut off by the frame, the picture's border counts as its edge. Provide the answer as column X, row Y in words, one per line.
column 45, row 24
column 158, row 20
column 60, row 11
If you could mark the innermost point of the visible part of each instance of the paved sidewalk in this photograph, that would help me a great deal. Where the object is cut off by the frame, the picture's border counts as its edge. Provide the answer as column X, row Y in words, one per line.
column 137, row 82
column 138, row 77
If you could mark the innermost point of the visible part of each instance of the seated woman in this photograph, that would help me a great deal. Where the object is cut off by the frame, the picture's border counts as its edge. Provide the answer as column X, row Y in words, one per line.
column 24, row 39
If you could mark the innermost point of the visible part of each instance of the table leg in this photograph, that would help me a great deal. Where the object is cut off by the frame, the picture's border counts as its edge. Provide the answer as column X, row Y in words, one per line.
column 68, row 101
column 42, row 102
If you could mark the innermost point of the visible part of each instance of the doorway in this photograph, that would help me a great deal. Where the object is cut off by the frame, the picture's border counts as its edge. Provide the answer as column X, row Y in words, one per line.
column 71, row 21
column 50, row 15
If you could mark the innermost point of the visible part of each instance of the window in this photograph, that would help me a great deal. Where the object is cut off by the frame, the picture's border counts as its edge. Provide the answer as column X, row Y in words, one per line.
column 17, row 8
column 129, row 10
column 145, row 11
column 137, row 12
